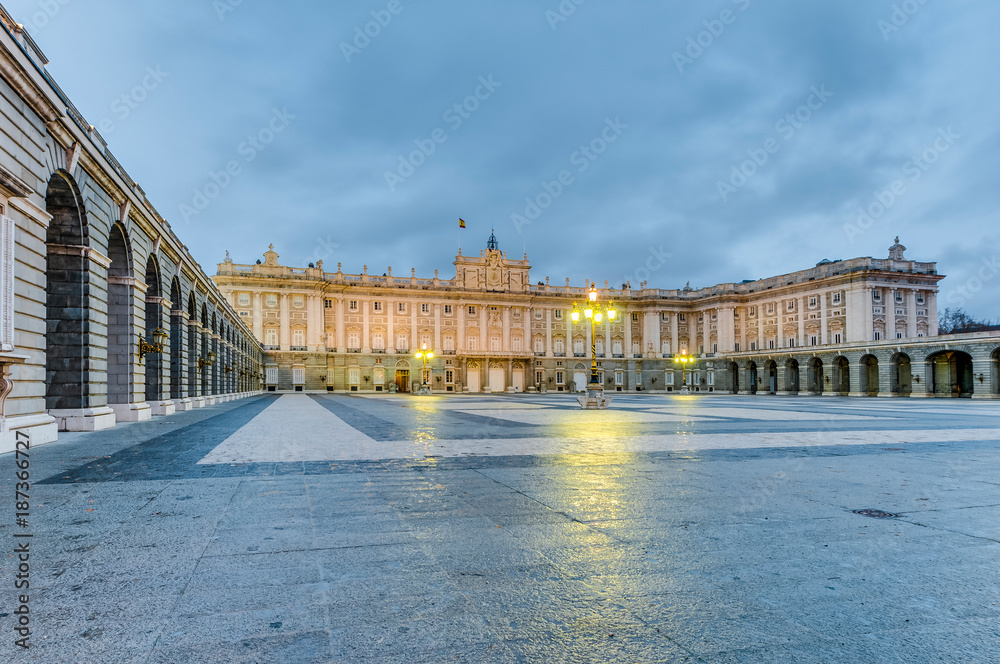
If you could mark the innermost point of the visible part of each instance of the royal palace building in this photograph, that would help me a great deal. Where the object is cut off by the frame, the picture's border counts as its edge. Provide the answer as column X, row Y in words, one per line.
column 863, row 326
column 104, row 315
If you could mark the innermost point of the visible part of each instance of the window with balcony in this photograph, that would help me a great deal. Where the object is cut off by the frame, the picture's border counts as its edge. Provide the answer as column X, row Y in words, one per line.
column 270, row 336
column 402, row 342
column 539, row 345
column 354, row 341
column 559, row 347
column 578, row 347
column 494, row 343
column 472, row 343
column 515, row 344
column 378, row 341
column 298, row 337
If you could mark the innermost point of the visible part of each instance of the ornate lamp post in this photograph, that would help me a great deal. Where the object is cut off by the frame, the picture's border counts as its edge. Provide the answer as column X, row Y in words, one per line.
column 424, row 354
column 684, row 360
column 595, row 312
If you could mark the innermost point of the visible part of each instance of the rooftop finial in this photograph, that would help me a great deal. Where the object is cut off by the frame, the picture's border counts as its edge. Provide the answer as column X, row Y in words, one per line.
column 492, row 243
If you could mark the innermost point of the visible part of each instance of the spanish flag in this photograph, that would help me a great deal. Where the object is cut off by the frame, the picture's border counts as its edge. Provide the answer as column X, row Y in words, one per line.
column 461, row 222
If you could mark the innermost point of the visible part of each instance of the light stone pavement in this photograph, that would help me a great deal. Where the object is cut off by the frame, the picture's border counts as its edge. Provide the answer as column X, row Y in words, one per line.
column 484, row 528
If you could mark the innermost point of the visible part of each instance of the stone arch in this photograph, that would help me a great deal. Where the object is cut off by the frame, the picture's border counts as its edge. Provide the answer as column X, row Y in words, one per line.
column 995, row 372
column 792, row 377
column 901, row 380
column 816, row 377
column 771, row 376
column 122, row 337
column 841, row 375
column 868, row 367
column 752, row 378
column 178, row 340
column 154, row 316
column 734, row 378
column 950, row 374
column 68, row 302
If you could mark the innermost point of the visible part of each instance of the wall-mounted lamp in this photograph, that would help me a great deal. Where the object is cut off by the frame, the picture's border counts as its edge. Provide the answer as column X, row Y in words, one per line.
column 202, row 362
column 159, row 337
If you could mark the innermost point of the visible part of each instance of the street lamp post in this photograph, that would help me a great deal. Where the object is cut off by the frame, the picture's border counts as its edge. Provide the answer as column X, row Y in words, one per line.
column 424, row 354
column 684, row 359
column 595, row 312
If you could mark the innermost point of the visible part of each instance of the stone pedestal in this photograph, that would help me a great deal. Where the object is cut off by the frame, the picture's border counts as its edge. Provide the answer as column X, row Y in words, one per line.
column 162, row 407
column 594, row 399
column 180, row 405
column 131, row 412
column 198, row 402
column 84, row 419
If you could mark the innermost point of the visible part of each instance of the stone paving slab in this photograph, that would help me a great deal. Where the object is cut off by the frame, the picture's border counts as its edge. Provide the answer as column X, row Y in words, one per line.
column 715, row 539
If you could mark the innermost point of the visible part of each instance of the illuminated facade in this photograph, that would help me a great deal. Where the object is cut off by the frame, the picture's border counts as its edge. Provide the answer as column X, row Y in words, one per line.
column 492, row 329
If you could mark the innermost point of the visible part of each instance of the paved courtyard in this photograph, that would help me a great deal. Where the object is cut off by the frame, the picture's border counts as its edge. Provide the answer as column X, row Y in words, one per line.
column 480, row 529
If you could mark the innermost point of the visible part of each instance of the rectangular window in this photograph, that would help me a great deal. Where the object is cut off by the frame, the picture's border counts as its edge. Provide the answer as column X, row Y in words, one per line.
column 354, row 340
column 539, row 345
column 538, row 314
column 665, row 347
column 558, row 314
column 812, row 341
column 680, row 317
column 737, row 349
column 836, row 298
column 578, row 347
column 272, row 300
column 472, row 343
column 425, row 308
column 272, row 375
column 376, row 306
column 328, row 304
column 715, row 348
column 244, row 299
column 770, row 344
column 899, row 335
column 448, row 344
column 837, row 338
column 298, row 375
column 352, row 305
column 770, row 307
column 449, row 376
column 447, row 309
column 515, row 344
column 877, row 295
column 494, row 343
column 402, row 342
column 791, row 305
column 619, row 379
column 401, row 307
column 791, row 343
column 753, row 312
column 271, row 336
column 298, row 337
column 472, row 310
column 899, row 297
column 354, row 376
column 378, row 341
column 664, row 316
column 539, row 377
column 298, row 301
column 920, row 298
column 559, row 347
column 560, row 378
column 753, row 345
column 635, row 317
column 877, row 336
column 670, row 378
column 812, row 302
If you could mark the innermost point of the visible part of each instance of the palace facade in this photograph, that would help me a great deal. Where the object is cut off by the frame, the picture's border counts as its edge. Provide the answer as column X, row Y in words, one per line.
column 491, row 329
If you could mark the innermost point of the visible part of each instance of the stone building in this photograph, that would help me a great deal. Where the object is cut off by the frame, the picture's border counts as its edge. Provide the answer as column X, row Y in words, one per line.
column 491, row 329
column 89, row 268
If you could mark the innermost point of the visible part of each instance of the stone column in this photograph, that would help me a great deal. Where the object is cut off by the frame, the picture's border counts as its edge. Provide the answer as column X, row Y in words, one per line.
column 802, row 304
column 258, row 317
column 675, row 338
column 285, row 334
column 460, row 320
column 437, row 329
column 628, row 335
column 390, row 328
column 911, row 313
column 506, row 331
column 180, row 351
column 341, row 326
column 548, row 332
column 824, row 335
column 779, row 308
column 366, row 341
column 414, row 336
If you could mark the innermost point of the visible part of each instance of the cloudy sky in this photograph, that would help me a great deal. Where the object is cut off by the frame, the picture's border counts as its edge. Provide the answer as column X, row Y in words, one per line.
column 740, row 137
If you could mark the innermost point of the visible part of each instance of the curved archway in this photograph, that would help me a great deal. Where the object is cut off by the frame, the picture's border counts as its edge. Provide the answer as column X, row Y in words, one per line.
column 178, row 340
column 734, row 378
column 154, row 321
column 753, row 378
column 67, row 298
column 902, row 375
column 841, row 375
column 995, row 372
column 869, row 376
column 816, row 376
column 950, row 374
column 204, row 368
column 792, row 376
column 122, row 336
column 771, row 370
